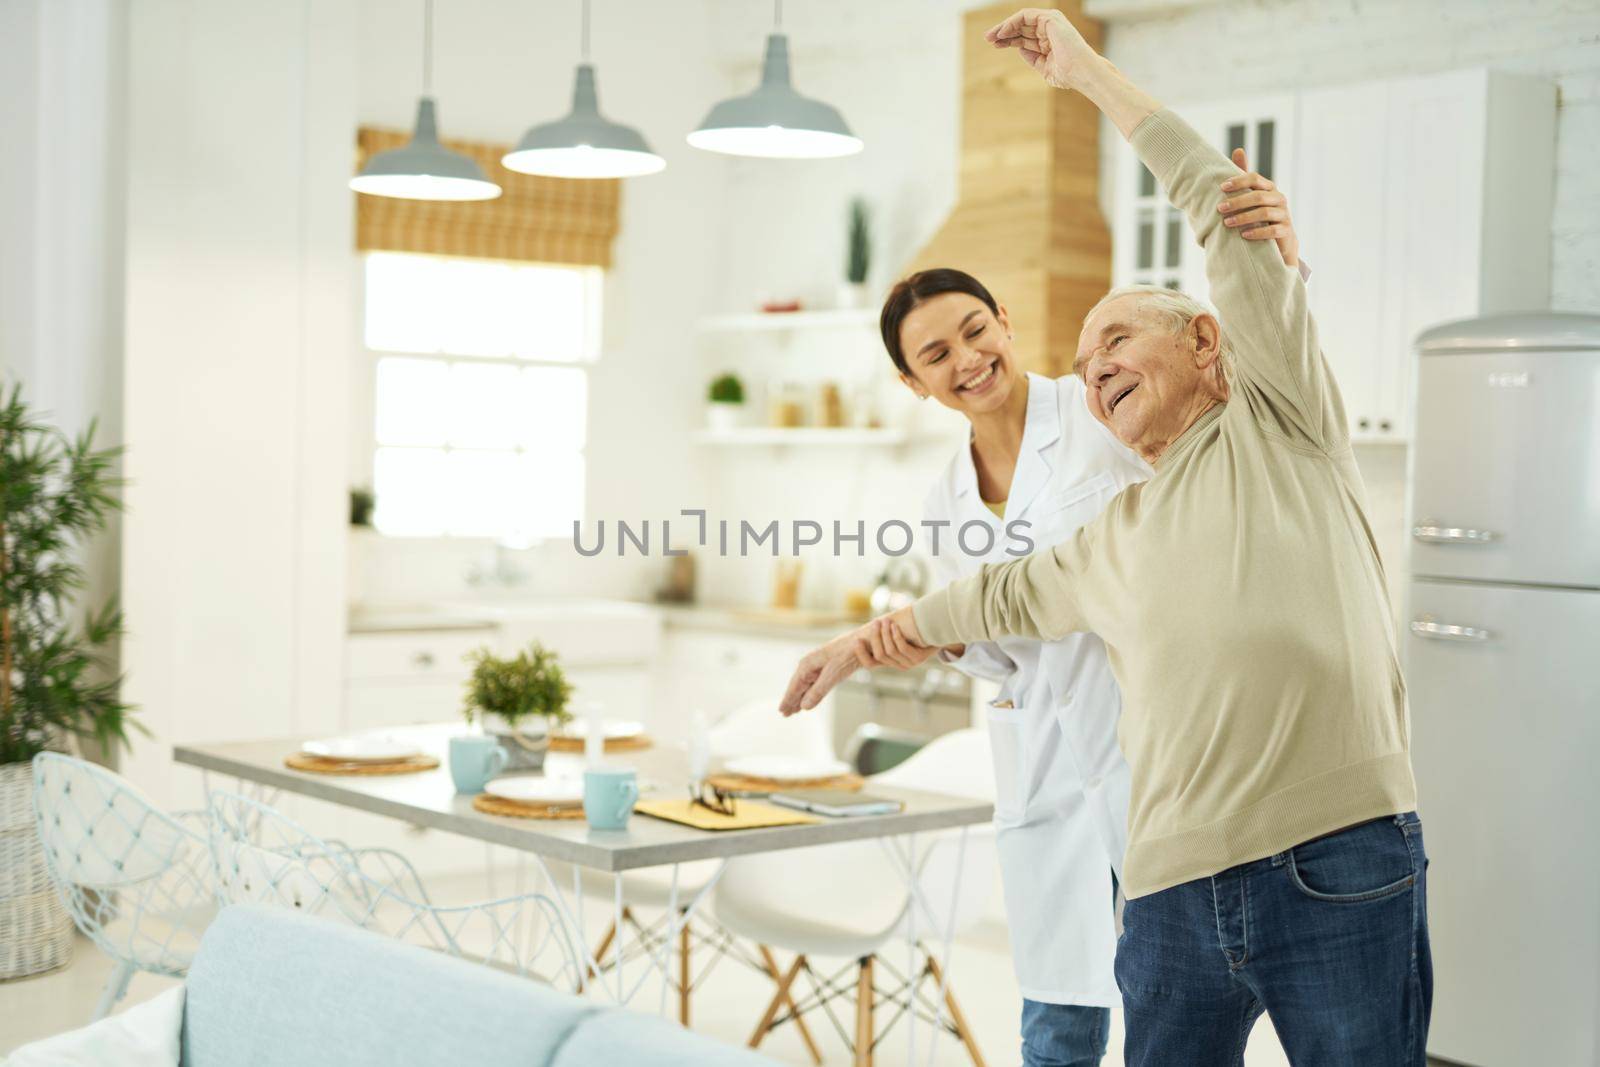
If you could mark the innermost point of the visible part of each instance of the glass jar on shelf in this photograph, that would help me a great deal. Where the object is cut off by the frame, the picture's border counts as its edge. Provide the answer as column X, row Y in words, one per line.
column 786, row 407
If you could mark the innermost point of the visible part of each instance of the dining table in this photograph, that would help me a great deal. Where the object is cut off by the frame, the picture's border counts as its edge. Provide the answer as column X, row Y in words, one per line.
column 429, row 799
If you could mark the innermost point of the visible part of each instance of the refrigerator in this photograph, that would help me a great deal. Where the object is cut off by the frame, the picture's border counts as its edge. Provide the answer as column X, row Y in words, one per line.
column 1501, row 646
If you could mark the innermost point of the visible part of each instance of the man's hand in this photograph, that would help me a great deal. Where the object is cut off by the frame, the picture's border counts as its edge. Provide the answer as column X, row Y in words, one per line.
column 1049, row 42
column 1259, row 210
column 890, row 641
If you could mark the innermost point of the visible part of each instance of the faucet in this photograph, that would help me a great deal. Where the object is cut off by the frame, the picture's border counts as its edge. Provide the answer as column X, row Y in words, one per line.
column 494, row 567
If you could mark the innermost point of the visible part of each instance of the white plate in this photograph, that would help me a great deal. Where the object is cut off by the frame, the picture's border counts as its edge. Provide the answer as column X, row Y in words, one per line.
column 616, row 730
column 363, row 748
column 537, row 790
column 786, row 768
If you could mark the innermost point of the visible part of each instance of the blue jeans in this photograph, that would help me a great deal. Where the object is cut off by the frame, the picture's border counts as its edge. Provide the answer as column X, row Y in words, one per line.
column 1063, row 1035
column 1329, row 938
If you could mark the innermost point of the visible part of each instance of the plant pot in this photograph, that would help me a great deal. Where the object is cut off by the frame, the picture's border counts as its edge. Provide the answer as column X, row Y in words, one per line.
column 524, row 745
column 35, row 929
column 724, row 417
column 852, row 295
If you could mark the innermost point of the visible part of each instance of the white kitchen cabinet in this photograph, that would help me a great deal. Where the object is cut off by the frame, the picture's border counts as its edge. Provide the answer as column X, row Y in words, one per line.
column 718, row 671
column 1418, row 200
column 406, row 677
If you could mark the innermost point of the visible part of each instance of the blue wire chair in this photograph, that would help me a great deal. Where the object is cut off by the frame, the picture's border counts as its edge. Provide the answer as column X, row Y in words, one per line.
column 136, row 880
column 261, row 856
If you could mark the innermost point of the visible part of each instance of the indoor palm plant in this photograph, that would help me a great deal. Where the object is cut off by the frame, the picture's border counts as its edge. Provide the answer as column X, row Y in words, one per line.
column 55, row 493
column 513, row 693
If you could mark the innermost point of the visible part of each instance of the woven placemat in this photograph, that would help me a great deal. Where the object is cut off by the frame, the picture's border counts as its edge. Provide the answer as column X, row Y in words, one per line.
column 742, row 783
column 517, row 810
column 299, row 761
column 637, row 743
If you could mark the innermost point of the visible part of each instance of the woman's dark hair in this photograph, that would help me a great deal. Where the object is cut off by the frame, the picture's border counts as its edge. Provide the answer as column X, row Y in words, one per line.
column 916, row 289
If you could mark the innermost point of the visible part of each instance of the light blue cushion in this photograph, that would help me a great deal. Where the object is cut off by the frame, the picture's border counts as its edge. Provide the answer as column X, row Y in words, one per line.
column 627, row 1037
column 272, row 987
column 269, row 987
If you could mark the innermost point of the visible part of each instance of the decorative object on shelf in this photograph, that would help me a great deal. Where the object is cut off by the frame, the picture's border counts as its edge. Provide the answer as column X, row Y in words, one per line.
column 584, row 144
column 510, row 692
column 853, row 293
column 774, row 121
column 725, row 403
column 785, row 406
column 362, row 502
column 830, row 406
column 58, row 493
column 858, row 603
column 424, row 169
column 779, row 307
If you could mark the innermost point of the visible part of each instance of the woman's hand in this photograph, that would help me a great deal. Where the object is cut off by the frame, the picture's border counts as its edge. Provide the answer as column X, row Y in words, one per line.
column 1259, row 210
column 1049, row 42
column 898, row 644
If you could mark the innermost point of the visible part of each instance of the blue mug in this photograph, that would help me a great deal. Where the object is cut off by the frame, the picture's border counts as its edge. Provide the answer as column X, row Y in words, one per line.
column 474, row 759
column 608, row 796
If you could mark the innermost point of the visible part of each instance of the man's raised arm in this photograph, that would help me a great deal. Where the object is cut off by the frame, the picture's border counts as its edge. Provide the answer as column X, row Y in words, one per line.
column 1261, row 301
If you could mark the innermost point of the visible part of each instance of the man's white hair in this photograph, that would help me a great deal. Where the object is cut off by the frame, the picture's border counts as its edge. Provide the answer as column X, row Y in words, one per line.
column 1173, row 309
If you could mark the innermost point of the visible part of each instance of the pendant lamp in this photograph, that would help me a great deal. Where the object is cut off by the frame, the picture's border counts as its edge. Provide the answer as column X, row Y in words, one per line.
column 425, row 169
column 584, row 144
column 774, row 121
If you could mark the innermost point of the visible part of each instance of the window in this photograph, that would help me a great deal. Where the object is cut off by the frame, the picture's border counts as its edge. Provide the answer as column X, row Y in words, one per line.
column 481, row 388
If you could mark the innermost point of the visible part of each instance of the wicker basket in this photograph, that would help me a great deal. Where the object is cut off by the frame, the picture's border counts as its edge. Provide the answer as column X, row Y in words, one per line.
column 35, row 929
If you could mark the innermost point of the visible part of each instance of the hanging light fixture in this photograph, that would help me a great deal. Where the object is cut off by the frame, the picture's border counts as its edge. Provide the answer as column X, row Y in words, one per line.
column 774, row 121
column 584, row 144
column 425, row 169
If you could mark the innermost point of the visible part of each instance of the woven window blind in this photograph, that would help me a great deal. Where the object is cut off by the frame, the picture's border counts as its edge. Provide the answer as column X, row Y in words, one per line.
column 543, row 220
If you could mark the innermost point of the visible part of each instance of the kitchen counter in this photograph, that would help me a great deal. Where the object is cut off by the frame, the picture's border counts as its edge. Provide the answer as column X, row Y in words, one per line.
column 805, row 626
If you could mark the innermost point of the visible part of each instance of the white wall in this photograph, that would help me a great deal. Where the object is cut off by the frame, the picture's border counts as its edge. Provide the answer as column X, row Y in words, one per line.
column 238, row 328
column 62, row 71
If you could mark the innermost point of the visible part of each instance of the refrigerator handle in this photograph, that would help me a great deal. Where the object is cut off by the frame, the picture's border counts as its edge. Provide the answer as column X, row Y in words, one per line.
column 1451, row 535
column 1440, row 631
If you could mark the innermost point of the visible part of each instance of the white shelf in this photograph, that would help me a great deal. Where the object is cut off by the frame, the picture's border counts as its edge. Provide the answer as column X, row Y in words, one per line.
column 805, row 435
column 758, row 322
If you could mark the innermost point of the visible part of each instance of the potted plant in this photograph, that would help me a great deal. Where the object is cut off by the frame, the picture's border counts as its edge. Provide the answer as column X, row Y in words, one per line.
column 55, row 493
column 853, row 293
column 512, row 694
column 361, row 504
column 725, row 409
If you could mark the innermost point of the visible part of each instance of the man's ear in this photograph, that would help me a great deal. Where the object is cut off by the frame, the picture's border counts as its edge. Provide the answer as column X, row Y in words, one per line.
column 914, row 385
column 1205, row 338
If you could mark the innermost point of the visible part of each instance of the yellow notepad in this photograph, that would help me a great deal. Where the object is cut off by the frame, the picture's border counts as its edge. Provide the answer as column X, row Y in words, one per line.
column 749, row 814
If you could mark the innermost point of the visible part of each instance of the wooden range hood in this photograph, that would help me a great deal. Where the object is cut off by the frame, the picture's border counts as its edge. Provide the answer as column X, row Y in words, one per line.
column 1027, row 219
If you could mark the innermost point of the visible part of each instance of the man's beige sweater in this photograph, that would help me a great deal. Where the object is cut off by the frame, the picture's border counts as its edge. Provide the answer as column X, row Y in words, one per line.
column 1238, row 591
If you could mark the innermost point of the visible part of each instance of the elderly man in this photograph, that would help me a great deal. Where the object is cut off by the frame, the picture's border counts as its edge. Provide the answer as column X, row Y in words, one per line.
column 1274, row 862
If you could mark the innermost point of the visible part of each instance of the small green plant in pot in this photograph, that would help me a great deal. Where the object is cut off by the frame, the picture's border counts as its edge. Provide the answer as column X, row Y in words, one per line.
column 521, row 699
column 853, row 293
column 725, row 409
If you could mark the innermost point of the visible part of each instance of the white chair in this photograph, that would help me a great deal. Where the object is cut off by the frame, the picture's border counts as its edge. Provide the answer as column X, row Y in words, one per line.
column 752, row 729
column 263, row 857
column 850, row 902
column 136, row 879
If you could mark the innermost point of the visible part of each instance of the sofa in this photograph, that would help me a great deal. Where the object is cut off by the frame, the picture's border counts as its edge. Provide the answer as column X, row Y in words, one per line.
column 271, row 987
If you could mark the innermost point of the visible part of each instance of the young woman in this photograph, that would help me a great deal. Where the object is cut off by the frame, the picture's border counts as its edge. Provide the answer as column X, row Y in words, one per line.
column 1035, row 454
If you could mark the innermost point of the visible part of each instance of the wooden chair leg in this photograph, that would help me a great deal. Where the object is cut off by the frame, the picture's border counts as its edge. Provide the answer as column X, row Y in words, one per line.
column 683, row 969
column 864, row 1027
column 599, row 956
column 777, row 1002
column 788, row 998
column 956, row 1016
